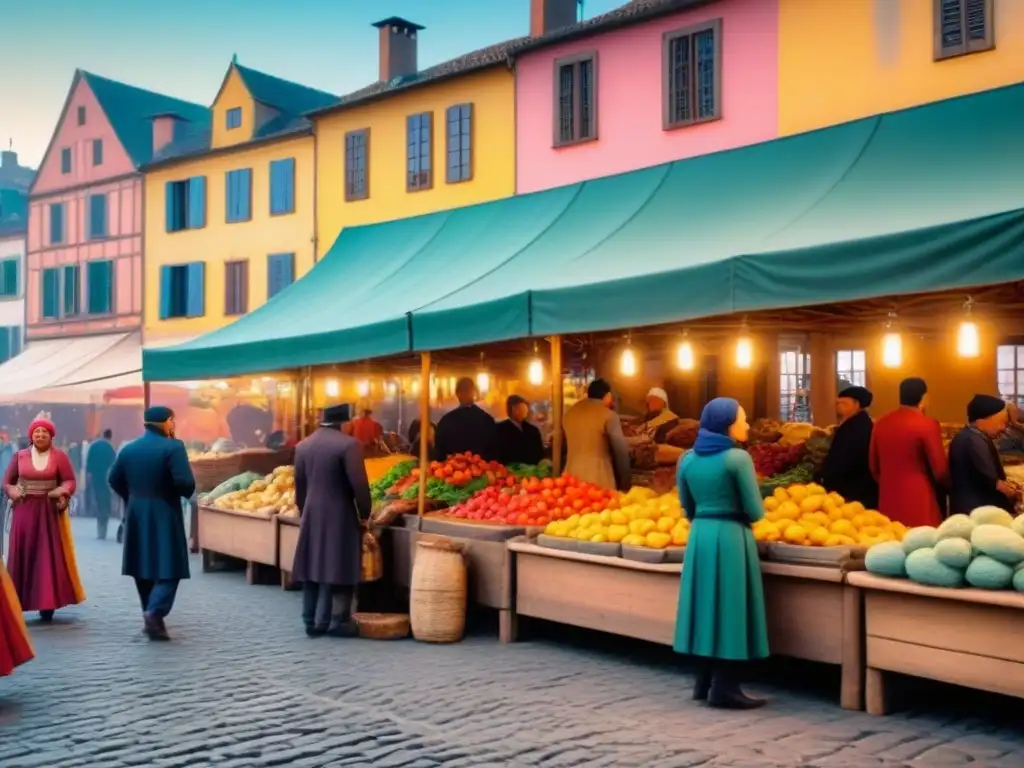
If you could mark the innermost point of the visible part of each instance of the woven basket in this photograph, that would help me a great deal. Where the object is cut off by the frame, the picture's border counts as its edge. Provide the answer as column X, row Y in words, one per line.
column 437, row 597
column 382, row 626
column 210, row 473
column 263, row 461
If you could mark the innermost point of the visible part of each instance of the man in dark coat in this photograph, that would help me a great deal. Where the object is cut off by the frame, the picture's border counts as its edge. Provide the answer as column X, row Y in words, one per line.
column 333, row 496
column 519, row 441
column 152, row 475
column 467, row 428
column 846, row 469
column 99, row 458
column 975, row 471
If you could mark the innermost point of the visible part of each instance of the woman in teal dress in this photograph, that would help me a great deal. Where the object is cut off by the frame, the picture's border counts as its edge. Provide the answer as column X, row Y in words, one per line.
column 721, row 617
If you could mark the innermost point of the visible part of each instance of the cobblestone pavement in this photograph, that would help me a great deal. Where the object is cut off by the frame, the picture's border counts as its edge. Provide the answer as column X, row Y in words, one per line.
column 242, row 686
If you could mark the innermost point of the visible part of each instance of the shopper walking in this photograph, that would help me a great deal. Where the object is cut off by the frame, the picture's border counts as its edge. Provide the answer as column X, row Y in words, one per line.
column 152, row 475
column 333, row 494
column 99, row 458
column 721, row 616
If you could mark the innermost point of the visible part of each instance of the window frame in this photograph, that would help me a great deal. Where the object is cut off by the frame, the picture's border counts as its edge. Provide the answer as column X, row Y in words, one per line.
column 967, row 46
column 348, row 170
column 468, row 105
column 429, row 183
column 81, row 115
column 61, row 240
column 574, row 60
column 1016, row 343
column 16, row 261
column 76, row 309
column 245, row 199
column 58, row 299
column 97, row 152
column 281, row 162
column 111, row 296
column 93, row 235
column 715, row 27
column 271, row 259
column 241, row 292
column 68, row 167
column 187, row 267
column 229, row 125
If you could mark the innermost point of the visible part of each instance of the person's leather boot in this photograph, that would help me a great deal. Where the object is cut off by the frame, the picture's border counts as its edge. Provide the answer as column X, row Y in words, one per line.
column 702, row 685
column 46, row 617
column 344, row 629
column 315, row 631
column 155, row 629
column 726, row 692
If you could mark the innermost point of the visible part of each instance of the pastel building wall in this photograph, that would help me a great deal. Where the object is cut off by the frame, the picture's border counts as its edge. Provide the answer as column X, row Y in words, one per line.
column 632, row 70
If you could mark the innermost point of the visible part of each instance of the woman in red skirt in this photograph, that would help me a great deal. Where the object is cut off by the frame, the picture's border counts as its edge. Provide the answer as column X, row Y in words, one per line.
column 39, row 481
column 15, row 647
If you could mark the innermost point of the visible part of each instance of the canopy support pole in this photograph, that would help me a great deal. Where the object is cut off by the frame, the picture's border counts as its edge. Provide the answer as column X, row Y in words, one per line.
column 147, row 395
column 557, row 403
column 421, row 502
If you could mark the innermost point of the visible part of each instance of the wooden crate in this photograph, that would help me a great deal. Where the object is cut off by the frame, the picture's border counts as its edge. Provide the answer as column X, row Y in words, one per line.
column 245, row 536
column 287, row 541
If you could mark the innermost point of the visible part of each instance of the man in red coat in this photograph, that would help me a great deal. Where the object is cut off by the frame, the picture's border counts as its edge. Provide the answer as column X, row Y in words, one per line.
column 908, row 460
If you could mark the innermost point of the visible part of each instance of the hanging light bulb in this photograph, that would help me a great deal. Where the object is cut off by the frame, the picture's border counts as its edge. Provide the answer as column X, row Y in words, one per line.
column 744, row 349
column 363, row 388
column 627, row 363
column 483, row 382
column 968, row 342
column 892, row 344
column 416, row 387
column 535, row 372
column 332, row 388
column 684, row 355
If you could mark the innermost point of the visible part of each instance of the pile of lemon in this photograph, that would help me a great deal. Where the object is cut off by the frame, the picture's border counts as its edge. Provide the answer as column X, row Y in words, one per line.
column 808, row 515
column 643, row 519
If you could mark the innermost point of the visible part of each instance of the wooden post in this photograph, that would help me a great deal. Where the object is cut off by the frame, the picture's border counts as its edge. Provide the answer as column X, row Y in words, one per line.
column 557, row 403
column 147, row 395
column 421, row 503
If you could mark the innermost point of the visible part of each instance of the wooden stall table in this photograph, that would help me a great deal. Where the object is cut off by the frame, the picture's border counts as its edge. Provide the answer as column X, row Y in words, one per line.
column 968, row 637
column 812, row 613
column 247, row 536
column 287, row 542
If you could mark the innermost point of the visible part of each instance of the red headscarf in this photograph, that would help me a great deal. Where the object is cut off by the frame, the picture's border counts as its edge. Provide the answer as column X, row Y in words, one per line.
column 45, row 423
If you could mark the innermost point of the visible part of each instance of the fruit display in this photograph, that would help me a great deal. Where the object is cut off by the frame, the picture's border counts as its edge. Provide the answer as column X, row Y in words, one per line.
column 534, row 501
column 984, row 550
column 771, row 459
column 807, row 515
column 273, row 494
column 643, row 519
column 236, row 483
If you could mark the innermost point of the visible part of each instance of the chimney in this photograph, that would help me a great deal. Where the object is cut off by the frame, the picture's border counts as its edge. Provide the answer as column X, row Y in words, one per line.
column 550, row 15
column 167, row 127
column 397, row 48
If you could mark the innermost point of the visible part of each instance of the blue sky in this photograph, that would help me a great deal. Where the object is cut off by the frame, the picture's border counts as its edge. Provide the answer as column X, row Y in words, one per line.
column 183, row 47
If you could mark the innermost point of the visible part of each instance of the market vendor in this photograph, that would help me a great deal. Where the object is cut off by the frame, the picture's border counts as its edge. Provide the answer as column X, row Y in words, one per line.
column 1012, row 438
column 659, row 420
column 976, row 474
column 466, row 428
column 596, row 449
column 846, row 469
column 519, row 441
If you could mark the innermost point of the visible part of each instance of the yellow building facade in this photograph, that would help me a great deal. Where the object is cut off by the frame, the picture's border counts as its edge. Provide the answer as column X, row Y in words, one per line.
column 848, row 59
column 354, row 188
column 229, row 214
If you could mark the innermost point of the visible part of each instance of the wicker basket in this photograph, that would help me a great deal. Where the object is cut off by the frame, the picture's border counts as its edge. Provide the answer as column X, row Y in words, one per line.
column 437, row 598
column 263, row 461
column 382, row 626
column 210, row 473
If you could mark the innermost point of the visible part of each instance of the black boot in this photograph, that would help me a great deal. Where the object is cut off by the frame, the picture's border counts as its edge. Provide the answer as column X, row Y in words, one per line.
column 154, row 628
column 726, row 692
column 46, row 617
column 315, row 631
column 702, row 685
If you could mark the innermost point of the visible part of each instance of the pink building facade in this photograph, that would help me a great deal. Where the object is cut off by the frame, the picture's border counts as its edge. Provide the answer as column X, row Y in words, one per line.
column 662, row 89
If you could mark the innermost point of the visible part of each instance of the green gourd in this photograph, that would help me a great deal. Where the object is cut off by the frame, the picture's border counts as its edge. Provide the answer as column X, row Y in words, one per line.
column 1018, row 579
column 999, row 543
column 991, row 516
column 924, row 536
column 886, row 559
column 957, row 526
column 956, row 553
column 924, row 568
column 987, row 573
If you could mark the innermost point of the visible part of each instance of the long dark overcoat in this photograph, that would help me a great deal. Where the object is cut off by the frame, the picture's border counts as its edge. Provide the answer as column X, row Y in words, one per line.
column 152, row 475
column 332, row 492
column 98, row 461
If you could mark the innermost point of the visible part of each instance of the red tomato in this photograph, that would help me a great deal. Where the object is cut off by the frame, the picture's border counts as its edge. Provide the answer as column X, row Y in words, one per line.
column 559, row 482
column 543, row 520
column 547, row 482
column 541, row 506
column 523, row 518
column 577, row 504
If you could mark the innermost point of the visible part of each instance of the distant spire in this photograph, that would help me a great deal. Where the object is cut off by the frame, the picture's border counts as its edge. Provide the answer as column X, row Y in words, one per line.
column 234, row 58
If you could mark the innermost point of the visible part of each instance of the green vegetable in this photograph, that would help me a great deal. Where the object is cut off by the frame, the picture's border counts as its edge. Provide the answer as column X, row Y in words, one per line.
column 886, row 559
column 540, row 471
column 401, row 470
column 986, row 573
column 801, row 473
column 439, row 490
column 236, row 483
column 1000, row 543
column 924, row 568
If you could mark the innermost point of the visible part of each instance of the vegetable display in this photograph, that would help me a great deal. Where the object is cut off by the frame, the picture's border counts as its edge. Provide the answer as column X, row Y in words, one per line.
column 379, row 488
column 273, row 494
column 984, row 550
column 535, row 501
column 771, row 459
column 807, row 515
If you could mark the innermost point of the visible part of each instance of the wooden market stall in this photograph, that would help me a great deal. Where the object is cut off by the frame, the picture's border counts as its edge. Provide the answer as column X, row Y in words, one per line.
column 967, row 637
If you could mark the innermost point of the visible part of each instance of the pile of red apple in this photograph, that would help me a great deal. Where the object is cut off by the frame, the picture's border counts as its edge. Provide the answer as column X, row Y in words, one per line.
column 535, row 502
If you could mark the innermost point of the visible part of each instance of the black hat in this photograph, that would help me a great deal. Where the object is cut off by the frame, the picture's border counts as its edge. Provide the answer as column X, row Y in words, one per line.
column 598, row 389
column 983, row 406
column 861, row 394
column 337, row 414
column 912, row 392
column 157, row 414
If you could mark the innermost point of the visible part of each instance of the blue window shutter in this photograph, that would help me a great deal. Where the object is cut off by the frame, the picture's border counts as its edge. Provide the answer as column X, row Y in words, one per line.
column 230, row 195
column 196, row 214
column 166, row 292
column 245, row 194
column 71, row 283
column 282, row 186
column 99, row 276
column 280, row 272
column 98, row 216
column 51, row 289
column 196, row 302
column 56, row 223
column 170, row 209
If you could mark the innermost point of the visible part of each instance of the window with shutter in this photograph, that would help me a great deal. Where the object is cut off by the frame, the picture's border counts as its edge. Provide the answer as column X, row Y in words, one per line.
column 692, row 75
column 280, row 272
column 357, row 164
column 459, row 120
column 419, row 134
column 236, row 287
column 962, row 27
column 196, row 289
column 238, row 195
column 9, row 269
column 233, row 118
column 182, row 290
column 282, row 186
column 99, row 276
column 195, row 206
column 97, row 216
column 56, row 223
column 71, row 283
column 5, row 344
column 65, row 161
column 51, row 293
column 575, row 106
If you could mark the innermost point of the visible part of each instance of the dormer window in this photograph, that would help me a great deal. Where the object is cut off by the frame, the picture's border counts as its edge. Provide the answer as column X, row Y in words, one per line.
column 233, row 118
column 81, row 115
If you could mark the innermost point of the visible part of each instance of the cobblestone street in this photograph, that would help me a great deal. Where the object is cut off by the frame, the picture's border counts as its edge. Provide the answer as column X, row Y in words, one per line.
column 241, row 685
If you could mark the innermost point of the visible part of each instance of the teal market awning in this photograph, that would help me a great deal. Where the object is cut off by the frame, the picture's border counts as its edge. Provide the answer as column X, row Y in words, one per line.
column 926, row 199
